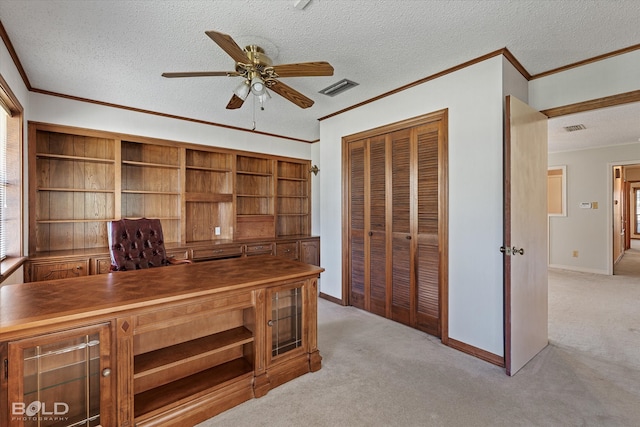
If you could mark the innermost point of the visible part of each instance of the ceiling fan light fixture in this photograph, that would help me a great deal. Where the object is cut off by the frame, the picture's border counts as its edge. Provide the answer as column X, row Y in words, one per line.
column 264, row 97
column 242, row 91
column 257, row 86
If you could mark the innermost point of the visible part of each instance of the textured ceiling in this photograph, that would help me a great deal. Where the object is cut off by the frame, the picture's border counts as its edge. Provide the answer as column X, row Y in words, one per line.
column 115, row 51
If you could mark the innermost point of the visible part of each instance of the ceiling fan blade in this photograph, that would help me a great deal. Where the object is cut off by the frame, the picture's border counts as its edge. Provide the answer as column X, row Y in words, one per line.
column 291, row 94
column 200, row 74
column 304, row 69
column 229, row 45
column 235, row 102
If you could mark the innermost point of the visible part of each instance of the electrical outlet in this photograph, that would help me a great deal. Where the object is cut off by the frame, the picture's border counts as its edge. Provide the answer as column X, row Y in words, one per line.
column 217, row 231
column 575, row 254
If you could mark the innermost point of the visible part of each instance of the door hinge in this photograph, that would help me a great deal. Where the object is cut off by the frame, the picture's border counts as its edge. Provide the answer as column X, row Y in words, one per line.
column 504, row 250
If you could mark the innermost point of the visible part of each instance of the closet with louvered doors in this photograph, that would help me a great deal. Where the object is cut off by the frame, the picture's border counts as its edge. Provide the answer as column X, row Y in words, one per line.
column 395, row 221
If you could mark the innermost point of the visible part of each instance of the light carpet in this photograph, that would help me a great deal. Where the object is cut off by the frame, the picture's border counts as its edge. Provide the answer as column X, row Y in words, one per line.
column 376, row 372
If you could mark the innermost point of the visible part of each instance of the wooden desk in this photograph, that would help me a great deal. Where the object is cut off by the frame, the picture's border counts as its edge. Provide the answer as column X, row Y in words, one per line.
column 166, row 346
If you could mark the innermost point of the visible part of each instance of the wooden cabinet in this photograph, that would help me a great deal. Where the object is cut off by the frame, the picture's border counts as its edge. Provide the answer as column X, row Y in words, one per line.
column 395, row 226
column 310, row 251
column 100, row 265
column 215, row 252
column 61, row 269
column 61, row 378
column 159, row 347
column 288, row 250
column 81, row 178
column 262, row 248
column 51, row 266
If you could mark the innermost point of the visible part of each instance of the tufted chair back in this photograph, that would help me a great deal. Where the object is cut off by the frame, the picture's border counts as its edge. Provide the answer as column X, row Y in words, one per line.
column 136, row 244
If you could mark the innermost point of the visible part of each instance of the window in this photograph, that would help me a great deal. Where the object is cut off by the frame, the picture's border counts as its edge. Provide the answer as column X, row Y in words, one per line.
column 11, row 185
column 637, row 211
column 3, row 182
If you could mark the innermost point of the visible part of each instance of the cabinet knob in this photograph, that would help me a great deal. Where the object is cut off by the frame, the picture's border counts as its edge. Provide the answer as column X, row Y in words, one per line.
column 106, row 372
column 270, row 323
column 408, row 237
column 78, row 267
column 370, row 233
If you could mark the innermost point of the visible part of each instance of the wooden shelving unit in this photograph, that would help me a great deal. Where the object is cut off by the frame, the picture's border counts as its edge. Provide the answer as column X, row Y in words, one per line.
column 212, row 201
column 170, row 367
column 294, row 203
column 208, row 196
column 254, row 197
column 151, row 185
column 74, row 190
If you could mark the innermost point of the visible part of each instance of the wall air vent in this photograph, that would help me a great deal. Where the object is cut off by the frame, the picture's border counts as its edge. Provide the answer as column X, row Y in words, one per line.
column 338, row 87
column 574, row 128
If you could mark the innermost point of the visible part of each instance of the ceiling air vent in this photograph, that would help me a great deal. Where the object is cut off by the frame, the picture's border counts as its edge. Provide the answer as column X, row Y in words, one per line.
column 338, row 87
column 574, row 128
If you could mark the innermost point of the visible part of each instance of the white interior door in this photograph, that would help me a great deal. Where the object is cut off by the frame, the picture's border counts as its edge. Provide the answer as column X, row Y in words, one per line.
column 525, row 261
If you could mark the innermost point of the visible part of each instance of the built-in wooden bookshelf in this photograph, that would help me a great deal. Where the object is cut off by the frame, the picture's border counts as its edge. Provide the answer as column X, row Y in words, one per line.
column 81, row 178
column 293, row 199
column 254, row 197
column 150, row 178
column 74, row 190
column 209, row 209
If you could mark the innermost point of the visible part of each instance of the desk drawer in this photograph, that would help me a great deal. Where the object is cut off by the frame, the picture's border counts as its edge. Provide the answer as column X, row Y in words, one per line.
column 203, row 254
column 288, row 250
column 259, row 249
column 59, row 270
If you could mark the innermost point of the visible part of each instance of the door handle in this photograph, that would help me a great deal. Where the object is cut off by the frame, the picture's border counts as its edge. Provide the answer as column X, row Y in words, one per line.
column 516, row 251
column 511, row 251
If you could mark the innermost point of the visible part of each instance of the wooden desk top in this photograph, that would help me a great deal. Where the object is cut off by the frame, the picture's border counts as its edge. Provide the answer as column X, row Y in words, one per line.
column 38, row 304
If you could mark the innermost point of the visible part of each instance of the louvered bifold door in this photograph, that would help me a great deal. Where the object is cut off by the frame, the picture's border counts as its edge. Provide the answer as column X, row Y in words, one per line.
column 357, row 225
column 427, row 256
column 401, row 287
column 377, row 226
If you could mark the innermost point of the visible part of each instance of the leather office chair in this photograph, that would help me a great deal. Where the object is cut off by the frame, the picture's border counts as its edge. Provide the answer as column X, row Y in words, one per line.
column 137, row 243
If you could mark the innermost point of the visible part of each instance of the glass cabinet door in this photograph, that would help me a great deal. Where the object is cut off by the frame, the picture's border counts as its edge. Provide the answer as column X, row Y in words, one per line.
column 286, row 320
column 59, row 379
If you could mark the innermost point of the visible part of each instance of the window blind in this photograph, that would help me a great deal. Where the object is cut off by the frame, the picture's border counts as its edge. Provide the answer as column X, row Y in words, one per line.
column 3, row 183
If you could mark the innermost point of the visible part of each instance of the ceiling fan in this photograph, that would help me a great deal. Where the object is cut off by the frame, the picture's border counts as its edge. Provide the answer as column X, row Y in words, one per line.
column 255, row 67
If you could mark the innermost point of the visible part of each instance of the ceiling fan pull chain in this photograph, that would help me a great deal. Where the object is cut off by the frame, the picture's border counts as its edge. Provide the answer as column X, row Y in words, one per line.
column 254, row 113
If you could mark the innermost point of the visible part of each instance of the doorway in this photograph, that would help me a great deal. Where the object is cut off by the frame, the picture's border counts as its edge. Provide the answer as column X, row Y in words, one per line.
column 625, row 216
column 576, row 296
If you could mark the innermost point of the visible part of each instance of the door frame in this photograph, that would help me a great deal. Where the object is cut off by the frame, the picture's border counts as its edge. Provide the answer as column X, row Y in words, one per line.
column 609, row 207
column 443, row 210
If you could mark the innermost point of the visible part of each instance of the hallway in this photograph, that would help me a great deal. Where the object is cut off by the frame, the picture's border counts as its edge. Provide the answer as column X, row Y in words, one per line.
column 598, row 314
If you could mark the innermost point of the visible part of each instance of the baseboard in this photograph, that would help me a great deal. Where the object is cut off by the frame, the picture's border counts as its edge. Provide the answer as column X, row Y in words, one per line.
column 332, row 299
column 476, row 352
column 578, row 269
